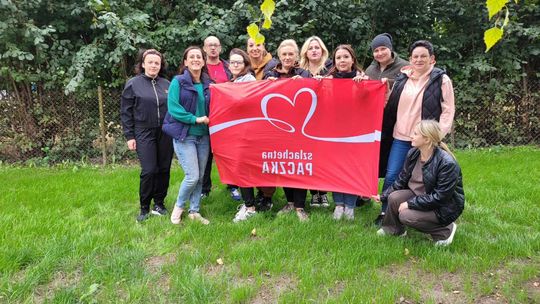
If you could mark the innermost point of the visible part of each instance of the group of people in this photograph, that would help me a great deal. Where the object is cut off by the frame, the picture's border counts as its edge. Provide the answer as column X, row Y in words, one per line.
column 422, row 179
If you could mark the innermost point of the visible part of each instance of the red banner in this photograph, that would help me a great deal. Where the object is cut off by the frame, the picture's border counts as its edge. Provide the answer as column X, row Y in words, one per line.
column 300, row 133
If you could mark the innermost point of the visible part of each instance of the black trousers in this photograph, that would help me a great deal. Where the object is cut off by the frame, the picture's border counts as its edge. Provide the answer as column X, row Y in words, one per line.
column 155, row 152
column 207, row 178
column 248, row 196
column 297, row 196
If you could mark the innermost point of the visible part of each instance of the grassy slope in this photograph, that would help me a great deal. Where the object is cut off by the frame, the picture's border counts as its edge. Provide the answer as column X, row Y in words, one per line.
column 62, row 230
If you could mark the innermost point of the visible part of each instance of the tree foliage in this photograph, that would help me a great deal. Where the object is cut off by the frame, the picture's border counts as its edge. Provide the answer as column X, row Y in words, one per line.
column 72, row 46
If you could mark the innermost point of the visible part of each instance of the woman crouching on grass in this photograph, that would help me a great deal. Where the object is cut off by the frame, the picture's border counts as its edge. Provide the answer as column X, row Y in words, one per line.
column 345, row 66
column 428, row 193
column 187, row 122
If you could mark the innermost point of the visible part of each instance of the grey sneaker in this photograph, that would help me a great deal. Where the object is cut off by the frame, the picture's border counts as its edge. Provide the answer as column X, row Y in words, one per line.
column 449, row 240
column 143, row 216
column 338, row 212
column 176, row 215
column 381, row 232
column 315, row 200
column 324, row 200
column 196, row 216
column 286, row 209
column 348, row 213
column 159, row 209
column 302, row 215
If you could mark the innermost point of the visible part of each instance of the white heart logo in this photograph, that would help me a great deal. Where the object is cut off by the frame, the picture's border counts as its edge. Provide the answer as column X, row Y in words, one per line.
column 364, row 138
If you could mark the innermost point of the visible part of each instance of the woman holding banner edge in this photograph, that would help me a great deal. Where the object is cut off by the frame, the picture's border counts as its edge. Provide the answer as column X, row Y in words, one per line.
column 287, row 68
column 187, row 122
column 421, row 91
column 345, row 66
column 240, row 67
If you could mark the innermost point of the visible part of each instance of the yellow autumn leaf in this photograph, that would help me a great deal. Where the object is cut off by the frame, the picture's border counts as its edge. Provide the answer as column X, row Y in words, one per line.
column 495, row 6
column 492, row 36
column 267, row 8
column 259, row 39
column 252, row 30
column 267, row 23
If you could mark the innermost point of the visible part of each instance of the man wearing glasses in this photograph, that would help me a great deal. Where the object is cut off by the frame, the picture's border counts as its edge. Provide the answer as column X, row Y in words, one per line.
column 218, row 71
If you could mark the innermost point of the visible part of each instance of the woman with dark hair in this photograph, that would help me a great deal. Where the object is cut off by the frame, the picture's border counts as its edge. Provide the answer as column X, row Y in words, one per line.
column 345, row 66
column 421, row 91
column 240, row 67
column 428, row 193
column 143, row 107
column 187, row 122
column 314, row 58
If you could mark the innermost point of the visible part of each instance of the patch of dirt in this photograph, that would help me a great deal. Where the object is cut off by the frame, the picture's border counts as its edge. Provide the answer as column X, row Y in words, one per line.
column 270, row 290
column 533, row 290
column 448, row 287
column 59, row 280
column 154, row 263
column 491, row 299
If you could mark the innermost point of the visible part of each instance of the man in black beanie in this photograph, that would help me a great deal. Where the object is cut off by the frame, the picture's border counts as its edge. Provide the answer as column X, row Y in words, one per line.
column 386, row 64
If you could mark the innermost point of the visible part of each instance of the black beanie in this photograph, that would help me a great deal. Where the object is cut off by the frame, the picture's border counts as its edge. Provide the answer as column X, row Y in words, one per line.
column 383, row 39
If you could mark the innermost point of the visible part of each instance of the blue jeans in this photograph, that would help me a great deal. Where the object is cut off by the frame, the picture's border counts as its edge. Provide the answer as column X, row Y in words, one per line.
column 192, row 155
column 346, row 199
column 397, row 156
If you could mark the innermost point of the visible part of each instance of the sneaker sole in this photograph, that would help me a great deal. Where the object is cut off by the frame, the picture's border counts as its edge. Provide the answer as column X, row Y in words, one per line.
column 157, row 213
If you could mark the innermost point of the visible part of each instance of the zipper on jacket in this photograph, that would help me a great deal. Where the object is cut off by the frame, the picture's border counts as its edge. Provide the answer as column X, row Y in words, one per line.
column 157, row 100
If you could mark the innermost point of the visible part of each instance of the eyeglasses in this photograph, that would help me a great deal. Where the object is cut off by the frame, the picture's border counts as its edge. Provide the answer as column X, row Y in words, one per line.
column 236, row 62
column 213, row 45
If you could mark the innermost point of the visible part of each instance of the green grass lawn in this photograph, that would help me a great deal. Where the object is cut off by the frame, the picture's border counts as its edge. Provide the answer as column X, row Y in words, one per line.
column 68, row 235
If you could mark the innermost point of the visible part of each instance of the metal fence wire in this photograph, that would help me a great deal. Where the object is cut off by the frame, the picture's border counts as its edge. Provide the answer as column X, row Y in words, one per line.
column 47, row 127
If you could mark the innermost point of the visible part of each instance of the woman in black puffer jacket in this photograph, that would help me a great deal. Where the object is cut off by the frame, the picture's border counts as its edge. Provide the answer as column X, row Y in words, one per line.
column 428, row 193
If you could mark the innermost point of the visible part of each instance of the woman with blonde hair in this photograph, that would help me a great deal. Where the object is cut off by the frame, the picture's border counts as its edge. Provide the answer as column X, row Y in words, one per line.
column 288, row 62
column 288, row 68
column 428, row 193
column 314, row 57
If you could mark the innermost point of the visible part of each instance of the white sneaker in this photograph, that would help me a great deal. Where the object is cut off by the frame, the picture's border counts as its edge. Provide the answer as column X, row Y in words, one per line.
column 348, row 213
column 243, row 214
column 449, row 240
column 338, row 212
column 197, row 217
column 176, row 215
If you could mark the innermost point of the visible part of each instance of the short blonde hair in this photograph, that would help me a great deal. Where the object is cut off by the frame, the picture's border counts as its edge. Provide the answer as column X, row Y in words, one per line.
column 304, row 61
column 288, row 42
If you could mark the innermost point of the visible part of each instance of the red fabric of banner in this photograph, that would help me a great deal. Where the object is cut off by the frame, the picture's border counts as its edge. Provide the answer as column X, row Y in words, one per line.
column 300, row 133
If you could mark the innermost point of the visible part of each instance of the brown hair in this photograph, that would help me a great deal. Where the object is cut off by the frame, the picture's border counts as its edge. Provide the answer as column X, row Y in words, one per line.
column 348, row 48
column 184, row 58
column 140, row 60
column 245, row 58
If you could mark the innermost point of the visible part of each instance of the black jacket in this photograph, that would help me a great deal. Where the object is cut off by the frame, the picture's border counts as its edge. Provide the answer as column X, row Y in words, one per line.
column 443, row 183
column 143, row 103
column 292, row 72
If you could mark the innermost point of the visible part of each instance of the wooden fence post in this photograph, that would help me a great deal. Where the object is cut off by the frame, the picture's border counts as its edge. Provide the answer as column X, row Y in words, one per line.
column 102, row 127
